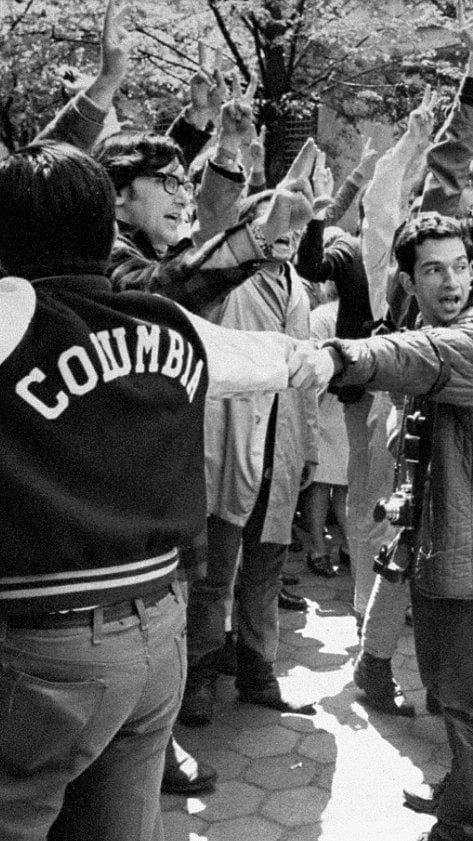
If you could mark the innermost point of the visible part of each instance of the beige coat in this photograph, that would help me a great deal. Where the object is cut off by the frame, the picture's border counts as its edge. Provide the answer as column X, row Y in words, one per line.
column 235, row 428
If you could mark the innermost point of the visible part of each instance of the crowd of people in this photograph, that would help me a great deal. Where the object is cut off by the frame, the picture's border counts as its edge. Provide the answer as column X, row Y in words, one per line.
column 189, row 361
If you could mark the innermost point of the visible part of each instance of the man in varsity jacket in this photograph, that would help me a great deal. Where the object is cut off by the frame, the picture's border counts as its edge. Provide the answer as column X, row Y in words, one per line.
column 102, row 474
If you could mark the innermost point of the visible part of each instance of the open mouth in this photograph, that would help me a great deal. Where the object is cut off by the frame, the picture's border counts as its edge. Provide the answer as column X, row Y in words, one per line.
column 450, row 300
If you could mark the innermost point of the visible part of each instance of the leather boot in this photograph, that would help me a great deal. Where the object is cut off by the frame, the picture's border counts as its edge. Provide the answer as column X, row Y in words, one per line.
column 199, row 695
column 257, row 684
column 183, row 774
column 426, row 798
column 374, row 676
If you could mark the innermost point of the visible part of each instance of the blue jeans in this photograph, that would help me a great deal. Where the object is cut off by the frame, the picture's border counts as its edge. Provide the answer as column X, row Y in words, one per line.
column 92, row 713
column 443, row 630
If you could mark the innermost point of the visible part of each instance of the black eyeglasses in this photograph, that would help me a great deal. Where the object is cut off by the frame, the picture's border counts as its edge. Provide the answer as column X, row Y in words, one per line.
column 171, row 183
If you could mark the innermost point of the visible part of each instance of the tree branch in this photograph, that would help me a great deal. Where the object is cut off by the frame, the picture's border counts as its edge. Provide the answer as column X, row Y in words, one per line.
column 300, row 9
column 229, row 40
column 168, row 45
column 22, row 15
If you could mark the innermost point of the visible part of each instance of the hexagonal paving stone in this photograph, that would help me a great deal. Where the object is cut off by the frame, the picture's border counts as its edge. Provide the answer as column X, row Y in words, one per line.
column 321, row 747
column 179, row 825
column 251, row 716
column 227, row 763
column 244, row 829
column 266, row 741
column 276, row 772
column 231, row 800
column 307, row 833
column 297, row 806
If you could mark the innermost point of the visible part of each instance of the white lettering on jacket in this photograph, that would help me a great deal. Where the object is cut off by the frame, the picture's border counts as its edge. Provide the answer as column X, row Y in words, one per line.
column 118, row 354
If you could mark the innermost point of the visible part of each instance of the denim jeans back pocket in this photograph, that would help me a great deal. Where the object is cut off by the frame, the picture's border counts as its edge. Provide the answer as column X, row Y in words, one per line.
column 41, row 721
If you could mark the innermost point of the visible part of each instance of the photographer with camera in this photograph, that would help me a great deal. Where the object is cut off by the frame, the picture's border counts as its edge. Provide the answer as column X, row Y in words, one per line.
column 436, row 362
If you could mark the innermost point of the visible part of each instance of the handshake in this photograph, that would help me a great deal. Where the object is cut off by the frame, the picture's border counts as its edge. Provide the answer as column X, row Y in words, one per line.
column 311, row 367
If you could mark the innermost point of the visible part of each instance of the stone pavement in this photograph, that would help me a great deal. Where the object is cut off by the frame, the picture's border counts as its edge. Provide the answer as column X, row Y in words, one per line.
column 333, row 776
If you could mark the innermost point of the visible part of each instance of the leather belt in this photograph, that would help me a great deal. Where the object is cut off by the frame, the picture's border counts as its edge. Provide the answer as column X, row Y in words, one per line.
column 84, row 618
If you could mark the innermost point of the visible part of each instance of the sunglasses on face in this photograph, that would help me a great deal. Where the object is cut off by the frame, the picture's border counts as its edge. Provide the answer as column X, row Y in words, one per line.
column 171, row 183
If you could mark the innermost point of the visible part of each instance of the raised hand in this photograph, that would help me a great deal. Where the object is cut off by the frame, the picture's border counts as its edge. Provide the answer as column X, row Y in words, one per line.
column 208, row 90
column 465, row 25
column 368, row 156
column 322, row 178
column 257, row 149
column 421, row 119
column 115, row 48
column 236, row 116
column 115, row 43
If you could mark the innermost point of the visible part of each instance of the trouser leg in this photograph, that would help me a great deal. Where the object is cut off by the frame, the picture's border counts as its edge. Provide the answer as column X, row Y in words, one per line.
column 207, row 595
column 384, row 617
column 452, row 623
column 370, row 476
column 258, row 614
column 315, row 502
column 339, row 504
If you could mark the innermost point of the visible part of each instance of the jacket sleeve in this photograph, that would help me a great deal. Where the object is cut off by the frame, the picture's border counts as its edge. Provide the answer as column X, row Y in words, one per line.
column 191, row 139
column 437, row 362
column 194, row 278
column 344, row 197
column 385, row 207
column 310, row 253
column 244, row 361
column 218, row 202
column 78, row 123
column 449, row 159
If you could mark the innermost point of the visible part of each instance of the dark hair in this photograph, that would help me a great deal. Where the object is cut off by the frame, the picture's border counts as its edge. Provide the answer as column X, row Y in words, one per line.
column 57, row 212
column 416, row 230
column 129, row 154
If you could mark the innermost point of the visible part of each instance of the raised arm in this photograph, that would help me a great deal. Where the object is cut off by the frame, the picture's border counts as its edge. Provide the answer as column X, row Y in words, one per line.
column 449, row 159
column 81, row 121
column 348, row 190
column 385, row 200
column 224, row 179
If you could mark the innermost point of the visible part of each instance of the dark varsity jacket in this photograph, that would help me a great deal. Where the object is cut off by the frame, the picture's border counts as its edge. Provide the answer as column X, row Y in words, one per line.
column 101, row 441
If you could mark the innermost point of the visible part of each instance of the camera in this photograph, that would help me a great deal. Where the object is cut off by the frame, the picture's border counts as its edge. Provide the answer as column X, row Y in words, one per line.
column 398, row 509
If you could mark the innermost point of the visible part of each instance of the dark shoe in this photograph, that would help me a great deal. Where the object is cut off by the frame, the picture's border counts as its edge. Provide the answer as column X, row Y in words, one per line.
column 197, row 705
column 426, row 798
column 344, row 558
column 199, row 694
column 183, row 774
column 408, row 617
column 257, row 684
column 289, row 601
column 228, row 655
column 374, row 676
column 432, row 702
column 321, row 566
column 296, row 545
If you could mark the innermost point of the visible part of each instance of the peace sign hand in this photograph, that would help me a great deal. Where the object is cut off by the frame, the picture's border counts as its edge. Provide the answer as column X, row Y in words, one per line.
column 207, row 89
column 421, row 119
column 115, row 44
column 236, row 116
